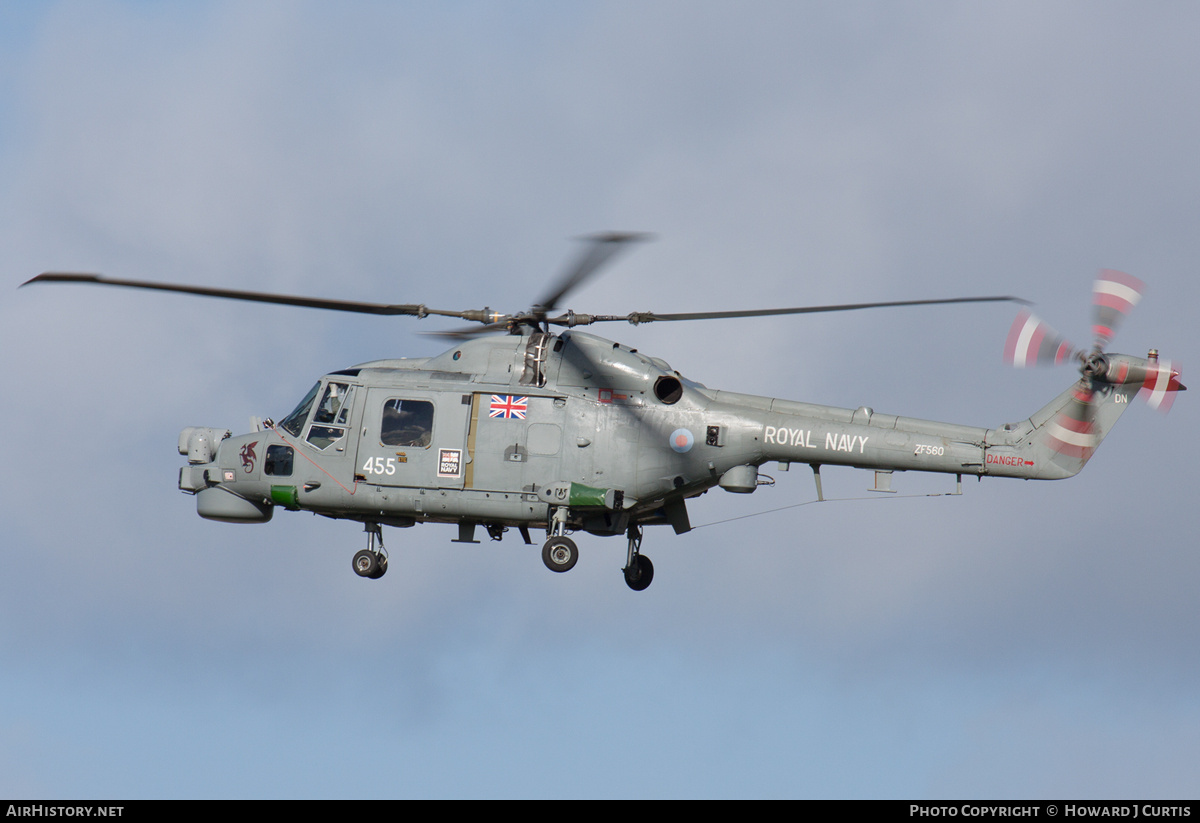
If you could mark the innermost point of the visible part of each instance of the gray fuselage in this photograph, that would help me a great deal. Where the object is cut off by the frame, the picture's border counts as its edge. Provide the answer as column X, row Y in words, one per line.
column 504, row 429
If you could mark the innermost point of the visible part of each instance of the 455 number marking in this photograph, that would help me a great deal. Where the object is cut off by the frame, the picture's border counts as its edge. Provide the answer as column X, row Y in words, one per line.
column 379, row 465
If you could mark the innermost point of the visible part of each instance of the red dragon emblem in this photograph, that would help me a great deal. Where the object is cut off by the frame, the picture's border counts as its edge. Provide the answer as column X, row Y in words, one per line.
column 248, row 456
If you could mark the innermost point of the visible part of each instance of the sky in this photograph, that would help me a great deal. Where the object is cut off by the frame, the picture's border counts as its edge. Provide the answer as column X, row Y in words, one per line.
column 1024, row 640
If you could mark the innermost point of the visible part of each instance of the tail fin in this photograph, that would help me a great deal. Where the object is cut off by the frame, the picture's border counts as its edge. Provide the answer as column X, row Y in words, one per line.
column 1058, row 440
column 1068, row 430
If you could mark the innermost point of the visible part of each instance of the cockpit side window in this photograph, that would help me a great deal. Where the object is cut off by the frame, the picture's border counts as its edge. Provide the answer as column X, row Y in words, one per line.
column 407, row 423
column 279, row 461
column 293, row 424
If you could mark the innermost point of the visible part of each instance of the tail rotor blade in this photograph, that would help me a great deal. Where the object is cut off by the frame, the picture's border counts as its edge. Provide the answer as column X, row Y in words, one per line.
column 1161, row 385
column 1073, row 432
column 1031, row 343
column 1115, row 293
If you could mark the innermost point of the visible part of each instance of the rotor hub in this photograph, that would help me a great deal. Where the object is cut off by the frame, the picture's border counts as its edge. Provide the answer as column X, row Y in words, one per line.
column 1095, row 365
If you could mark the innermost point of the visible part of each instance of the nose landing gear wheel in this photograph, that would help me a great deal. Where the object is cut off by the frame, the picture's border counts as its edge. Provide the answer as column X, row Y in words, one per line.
column 639, row 575
column 560, row 554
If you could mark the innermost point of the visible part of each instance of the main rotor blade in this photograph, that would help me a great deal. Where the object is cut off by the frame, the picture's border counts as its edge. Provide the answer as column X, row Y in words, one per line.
column 599, row 250
column 412, row 309
column 468, row 332
column 650, row 317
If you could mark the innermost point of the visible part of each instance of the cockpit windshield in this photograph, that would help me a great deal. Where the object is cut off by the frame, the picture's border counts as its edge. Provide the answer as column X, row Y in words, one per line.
column 294, row 422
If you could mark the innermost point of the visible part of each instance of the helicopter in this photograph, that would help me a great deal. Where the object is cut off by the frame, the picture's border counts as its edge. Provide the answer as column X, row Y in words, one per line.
column 527, row 423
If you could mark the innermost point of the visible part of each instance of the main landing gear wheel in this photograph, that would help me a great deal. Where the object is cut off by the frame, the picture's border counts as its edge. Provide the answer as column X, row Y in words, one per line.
column 560, row 554
column 370, row 564
column 382, row 570
column 639, row 575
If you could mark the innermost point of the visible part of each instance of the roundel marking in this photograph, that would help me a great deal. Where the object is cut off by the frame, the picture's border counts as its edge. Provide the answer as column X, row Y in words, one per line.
column 681, row 440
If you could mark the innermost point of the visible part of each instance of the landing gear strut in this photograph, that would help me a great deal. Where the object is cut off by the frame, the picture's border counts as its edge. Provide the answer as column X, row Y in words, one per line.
column 639, row 571
column 560, row 554
column 372, row 562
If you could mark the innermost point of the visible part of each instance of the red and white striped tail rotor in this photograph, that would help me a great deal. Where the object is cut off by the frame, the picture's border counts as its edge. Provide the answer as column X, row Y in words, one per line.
column 1031, row 342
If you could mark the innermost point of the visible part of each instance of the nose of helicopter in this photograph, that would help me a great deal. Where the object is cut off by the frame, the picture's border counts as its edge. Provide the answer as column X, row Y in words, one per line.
column 218, row 467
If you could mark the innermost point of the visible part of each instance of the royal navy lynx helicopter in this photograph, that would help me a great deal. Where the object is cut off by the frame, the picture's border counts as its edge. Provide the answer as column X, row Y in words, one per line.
column 566, row 431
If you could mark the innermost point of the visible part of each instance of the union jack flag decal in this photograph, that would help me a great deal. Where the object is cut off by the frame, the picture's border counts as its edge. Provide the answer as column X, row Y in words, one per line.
column 505, row 405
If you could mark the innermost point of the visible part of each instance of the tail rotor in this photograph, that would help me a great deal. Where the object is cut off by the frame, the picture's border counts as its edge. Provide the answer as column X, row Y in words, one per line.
column 1076, row 430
